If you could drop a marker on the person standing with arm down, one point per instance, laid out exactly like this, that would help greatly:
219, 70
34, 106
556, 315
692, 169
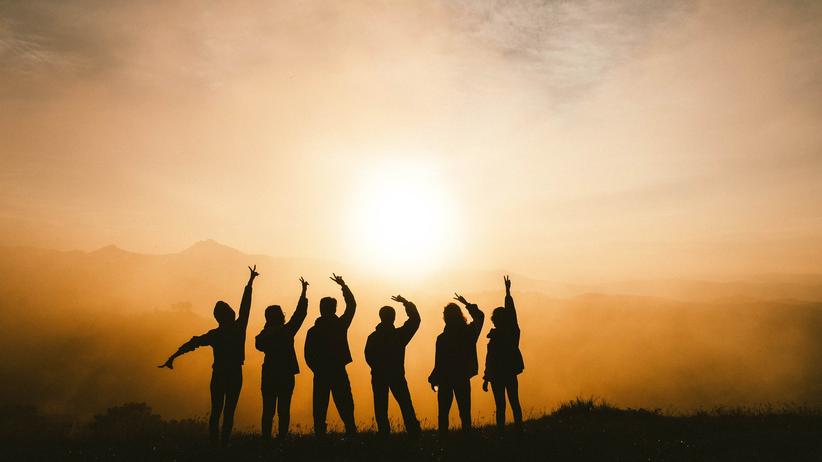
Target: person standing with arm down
385, 353
228, 344
327, 354
280, 366
455, 362
504, 360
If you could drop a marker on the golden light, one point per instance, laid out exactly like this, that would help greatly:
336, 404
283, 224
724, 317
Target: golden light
403, 218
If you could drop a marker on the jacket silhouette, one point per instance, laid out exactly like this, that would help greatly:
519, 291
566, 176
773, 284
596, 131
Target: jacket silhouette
455, 362
503, 361
385, 354
227, 342
276, 340
326, 354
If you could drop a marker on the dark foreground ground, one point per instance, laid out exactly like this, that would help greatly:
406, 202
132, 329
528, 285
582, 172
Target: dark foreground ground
581, 430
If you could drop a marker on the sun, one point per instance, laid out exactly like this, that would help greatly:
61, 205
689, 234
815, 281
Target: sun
402, 220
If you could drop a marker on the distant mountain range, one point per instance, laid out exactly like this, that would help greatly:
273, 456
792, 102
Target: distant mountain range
209, 269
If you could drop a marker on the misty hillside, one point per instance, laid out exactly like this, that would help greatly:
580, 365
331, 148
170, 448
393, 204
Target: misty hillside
85, 330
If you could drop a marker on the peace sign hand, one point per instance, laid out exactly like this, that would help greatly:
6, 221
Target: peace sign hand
254, 273
337, 279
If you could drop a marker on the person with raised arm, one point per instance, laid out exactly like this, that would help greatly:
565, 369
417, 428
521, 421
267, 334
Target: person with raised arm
385, 354
455, 362
280, 366
228, 344
326, 354
504, 360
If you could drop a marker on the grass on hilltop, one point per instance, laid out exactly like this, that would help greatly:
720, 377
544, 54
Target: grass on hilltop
583, 429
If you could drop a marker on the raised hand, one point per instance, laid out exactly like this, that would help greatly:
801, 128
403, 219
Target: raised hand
337, 279
169, 364
399, 298
507, 283
253, 274
304, 283
460, 299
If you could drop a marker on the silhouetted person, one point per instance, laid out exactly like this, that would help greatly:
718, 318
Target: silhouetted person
385, 353
456, 361
327, 354
504, 360
276, 340
228, 343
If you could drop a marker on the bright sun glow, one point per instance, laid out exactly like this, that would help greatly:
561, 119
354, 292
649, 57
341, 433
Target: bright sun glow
403, 218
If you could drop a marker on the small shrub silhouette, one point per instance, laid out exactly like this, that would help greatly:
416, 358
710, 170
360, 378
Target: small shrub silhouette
131, 420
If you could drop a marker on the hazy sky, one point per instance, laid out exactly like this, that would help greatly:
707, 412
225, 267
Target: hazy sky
564, 139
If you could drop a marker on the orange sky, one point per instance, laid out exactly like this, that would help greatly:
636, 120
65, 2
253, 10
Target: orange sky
559, 139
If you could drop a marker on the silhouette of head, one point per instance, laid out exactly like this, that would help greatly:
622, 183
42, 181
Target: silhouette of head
499, 318
274, 315
387, 315
223, 313
452, 314
328, 306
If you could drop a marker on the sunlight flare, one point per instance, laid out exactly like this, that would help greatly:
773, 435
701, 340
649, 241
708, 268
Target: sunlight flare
403, 218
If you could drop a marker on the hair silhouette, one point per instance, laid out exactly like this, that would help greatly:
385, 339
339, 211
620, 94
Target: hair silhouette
385, 354
280, 365
326, 354
452, 314
228, 344
504, 360
455, 362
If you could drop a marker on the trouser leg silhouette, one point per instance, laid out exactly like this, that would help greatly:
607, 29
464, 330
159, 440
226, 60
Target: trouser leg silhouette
277, 392
380, 389
399, 388
462, 391
225, 392
513, 398
336, 384
269, 408
285, 392
498, 388
344, 400
232, 395
322, 388
445, 396
217, 401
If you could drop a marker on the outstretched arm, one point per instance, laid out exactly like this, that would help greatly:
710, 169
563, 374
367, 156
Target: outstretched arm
300, 312
410, 327
245, 305
509, 302
477, 316
191, 345
350, 303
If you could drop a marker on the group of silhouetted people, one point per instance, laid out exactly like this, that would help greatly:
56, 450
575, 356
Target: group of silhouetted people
327, 353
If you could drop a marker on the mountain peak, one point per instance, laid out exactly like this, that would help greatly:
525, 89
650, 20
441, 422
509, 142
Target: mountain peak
210, 247
110, 249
